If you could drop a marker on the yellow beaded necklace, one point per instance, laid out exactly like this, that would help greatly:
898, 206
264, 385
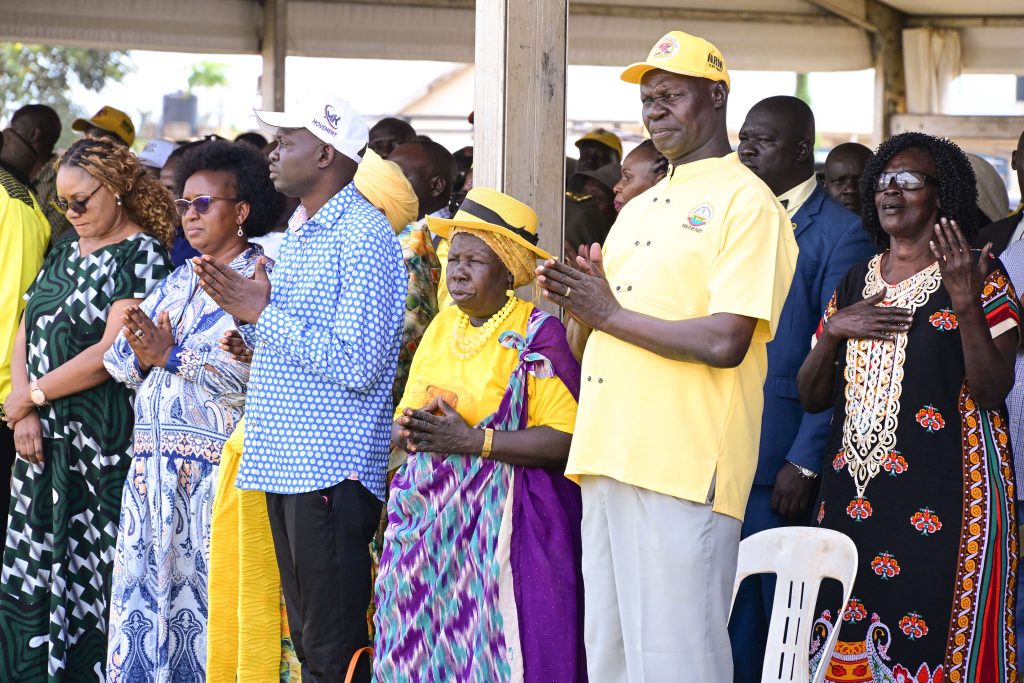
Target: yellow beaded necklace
464, 346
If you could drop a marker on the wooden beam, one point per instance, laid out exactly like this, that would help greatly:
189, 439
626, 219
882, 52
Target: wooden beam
961, 127
852, 12
520, 106
890, 77
1012, 21
274, 48
593, 9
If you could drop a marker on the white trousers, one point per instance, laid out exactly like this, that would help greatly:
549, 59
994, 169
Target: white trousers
658, 573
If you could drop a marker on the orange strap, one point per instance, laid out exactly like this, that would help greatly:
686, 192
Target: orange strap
355, 660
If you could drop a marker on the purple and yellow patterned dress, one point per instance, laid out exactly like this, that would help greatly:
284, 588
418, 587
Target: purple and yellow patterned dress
480, 575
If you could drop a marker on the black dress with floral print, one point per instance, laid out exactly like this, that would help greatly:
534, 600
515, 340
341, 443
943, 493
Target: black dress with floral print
921, 479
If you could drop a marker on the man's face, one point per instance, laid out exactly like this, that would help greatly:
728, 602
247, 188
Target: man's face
594, 155
842, 179
678, 112
603, 197
416, 167
384, 138
294, 163
769, 148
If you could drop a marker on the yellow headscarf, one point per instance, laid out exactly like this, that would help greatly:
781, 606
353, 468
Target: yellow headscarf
386, 187
519, 261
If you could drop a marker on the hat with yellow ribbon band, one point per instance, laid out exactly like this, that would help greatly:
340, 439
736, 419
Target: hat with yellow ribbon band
492, 211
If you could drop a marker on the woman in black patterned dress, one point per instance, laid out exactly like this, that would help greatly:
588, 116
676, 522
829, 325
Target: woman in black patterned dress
72, 423
915, 354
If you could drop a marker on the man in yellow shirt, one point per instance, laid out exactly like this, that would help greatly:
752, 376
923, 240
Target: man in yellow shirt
24, 234
682, 302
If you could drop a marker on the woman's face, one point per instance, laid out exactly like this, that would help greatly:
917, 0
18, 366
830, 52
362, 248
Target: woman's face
909, 213
477, 279
101, 210
637, 177
216, 230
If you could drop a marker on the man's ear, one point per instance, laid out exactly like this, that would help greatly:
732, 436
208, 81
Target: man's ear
804, 150
437, 186
719, 94
326, 156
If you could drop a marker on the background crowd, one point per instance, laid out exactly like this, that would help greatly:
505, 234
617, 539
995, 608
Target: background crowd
268, 402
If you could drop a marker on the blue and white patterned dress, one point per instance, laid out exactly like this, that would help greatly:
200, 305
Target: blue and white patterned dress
183, 415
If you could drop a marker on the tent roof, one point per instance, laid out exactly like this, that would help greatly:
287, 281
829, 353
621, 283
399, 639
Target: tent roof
792, 35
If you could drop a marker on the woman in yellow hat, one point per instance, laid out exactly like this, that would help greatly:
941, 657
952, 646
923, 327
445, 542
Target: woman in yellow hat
480, 574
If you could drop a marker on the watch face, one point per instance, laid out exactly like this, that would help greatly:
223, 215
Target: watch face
38, 397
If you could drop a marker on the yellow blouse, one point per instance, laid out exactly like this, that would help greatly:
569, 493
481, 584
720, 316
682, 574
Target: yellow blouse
478, 384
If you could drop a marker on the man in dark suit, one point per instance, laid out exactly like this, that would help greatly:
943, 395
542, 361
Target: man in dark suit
777, 144
1005, 232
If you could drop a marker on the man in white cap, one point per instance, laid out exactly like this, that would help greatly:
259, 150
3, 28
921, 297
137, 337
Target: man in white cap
683, 300
325, 329
154, 155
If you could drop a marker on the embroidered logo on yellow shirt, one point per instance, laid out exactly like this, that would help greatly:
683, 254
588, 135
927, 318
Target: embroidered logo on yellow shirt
699, 216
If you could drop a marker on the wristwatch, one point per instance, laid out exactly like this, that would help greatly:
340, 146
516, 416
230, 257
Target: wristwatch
36, 394
804, 472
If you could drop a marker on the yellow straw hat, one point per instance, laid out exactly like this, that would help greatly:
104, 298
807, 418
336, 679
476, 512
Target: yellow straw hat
492, 211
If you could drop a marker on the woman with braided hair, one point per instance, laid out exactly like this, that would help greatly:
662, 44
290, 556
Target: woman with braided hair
72, 423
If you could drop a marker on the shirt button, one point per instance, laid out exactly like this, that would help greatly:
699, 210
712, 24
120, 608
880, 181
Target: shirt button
618, 287
600, 380
629, 289
637, 243
655, 199
588, 378
648, 243
668, 201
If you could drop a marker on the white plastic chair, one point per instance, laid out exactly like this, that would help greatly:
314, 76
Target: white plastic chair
800, 557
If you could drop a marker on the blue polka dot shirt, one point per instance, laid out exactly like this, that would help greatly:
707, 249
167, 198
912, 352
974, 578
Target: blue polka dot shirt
325, 350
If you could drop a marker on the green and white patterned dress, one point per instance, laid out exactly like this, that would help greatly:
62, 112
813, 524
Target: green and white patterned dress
55, 586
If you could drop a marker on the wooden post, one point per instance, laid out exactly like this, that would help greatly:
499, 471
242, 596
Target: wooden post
520, 106
890, 77
274, 47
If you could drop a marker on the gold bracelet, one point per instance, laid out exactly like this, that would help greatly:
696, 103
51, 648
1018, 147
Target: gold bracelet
488, 440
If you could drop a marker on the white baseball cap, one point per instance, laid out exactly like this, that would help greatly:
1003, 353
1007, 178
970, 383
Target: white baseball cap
156, 151
326, 116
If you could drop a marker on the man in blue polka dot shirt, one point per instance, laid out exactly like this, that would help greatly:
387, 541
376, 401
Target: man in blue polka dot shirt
325, 329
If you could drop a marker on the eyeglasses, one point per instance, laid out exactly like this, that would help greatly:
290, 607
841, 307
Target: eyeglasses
455, 202
77, 205
201, 203
905, 180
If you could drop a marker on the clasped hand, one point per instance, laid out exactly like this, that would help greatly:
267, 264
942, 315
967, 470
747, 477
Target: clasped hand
151, 343
579, 286
424, 431
242, 297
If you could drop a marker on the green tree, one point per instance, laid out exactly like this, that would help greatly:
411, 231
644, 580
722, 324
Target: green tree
207, 75
45, 74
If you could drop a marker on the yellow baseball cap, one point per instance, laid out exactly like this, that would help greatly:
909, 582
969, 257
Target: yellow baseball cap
604, 137
112, 120
682, 54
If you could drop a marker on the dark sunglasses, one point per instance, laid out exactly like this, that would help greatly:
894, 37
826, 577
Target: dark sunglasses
77, 205
201, 204
905, 180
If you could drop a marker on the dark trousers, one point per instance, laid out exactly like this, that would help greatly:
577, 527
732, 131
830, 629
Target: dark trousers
7, 456
322, 541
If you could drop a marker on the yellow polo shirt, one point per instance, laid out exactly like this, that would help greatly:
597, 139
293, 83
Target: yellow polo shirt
24, 235
709, 238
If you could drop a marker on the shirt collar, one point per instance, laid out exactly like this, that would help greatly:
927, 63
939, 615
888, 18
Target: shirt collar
796, 196
334, 207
